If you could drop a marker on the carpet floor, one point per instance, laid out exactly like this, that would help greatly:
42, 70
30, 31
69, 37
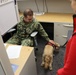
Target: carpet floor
57, 61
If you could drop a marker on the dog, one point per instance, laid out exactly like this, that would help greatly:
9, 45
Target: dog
47, 57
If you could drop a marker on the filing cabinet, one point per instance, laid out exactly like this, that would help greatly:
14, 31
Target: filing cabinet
61, 31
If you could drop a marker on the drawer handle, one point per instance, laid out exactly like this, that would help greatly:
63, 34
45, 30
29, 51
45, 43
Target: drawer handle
65, 25
64, 36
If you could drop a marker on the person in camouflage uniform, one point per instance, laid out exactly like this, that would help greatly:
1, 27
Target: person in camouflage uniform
25, 27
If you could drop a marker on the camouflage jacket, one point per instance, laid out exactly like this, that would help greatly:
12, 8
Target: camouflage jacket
24, 30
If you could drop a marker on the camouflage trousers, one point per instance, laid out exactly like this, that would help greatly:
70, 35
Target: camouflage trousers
24, 42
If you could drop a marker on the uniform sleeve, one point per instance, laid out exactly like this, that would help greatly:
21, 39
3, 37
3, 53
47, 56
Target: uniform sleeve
70, 64
20, 27
42, 32
20, 30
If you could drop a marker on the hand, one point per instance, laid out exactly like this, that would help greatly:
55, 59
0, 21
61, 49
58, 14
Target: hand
51, 41
54, 43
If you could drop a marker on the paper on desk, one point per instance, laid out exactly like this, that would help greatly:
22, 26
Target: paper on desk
13, 51
14, 67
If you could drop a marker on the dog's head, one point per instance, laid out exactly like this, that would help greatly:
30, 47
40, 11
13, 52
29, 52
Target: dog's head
57, 47
47, 60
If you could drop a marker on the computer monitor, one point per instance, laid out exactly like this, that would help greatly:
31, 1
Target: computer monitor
5, 66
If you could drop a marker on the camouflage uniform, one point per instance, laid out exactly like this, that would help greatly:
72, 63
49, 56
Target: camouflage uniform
22, 36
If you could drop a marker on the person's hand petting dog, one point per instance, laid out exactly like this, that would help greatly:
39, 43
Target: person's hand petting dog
55, 44
51, 41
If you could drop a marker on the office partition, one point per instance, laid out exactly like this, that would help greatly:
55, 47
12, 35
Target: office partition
8, 16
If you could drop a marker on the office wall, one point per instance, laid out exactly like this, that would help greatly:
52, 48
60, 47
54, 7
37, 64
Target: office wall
59, 6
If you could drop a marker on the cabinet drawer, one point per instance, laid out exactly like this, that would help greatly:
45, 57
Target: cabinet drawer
60, 32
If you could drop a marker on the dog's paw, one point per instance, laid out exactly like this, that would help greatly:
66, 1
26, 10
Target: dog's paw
50, 68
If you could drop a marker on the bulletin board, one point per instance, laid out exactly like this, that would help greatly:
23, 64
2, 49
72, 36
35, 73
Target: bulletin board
8, 16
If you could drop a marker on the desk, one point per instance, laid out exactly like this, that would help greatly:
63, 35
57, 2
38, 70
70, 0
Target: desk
54, 17
26, 61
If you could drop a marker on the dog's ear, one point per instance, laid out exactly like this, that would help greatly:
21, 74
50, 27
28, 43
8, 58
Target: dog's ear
57, 46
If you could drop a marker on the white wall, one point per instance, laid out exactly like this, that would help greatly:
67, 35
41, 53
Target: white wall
60, 6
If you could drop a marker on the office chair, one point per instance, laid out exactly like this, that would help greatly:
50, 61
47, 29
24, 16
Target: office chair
11, 31
34, 37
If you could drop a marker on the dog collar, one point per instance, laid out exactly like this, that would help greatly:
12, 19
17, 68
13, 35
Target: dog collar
49, 43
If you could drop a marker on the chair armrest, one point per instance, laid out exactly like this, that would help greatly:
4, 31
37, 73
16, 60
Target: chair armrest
11, 30
34, 34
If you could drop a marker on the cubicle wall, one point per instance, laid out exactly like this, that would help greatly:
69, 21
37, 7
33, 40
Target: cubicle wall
5, 66
8, 16
58, 6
